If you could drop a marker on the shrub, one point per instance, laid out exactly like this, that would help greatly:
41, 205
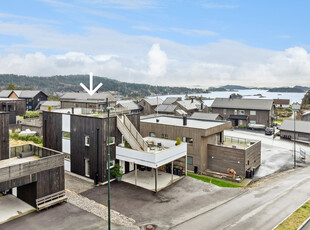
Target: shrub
242, 126
116, 171
34, 139
31, 114
178, 141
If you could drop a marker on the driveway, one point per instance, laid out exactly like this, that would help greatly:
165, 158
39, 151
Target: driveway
64, 216
181, 201
277, 154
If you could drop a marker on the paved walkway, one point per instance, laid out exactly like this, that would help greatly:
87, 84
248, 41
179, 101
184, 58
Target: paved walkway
146, 180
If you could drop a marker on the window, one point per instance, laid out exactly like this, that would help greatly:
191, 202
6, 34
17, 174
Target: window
241, 112
87, 141
87, 167
189, 160
235, 112
111, 141
66, 135
253, 112
188, 140
164, 136
152, 134
252, 122
112, 163
225, 111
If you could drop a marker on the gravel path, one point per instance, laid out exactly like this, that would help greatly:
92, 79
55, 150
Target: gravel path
99, 210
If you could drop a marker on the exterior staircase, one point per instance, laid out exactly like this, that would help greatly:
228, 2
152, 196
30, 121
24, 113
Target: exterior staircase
131, 134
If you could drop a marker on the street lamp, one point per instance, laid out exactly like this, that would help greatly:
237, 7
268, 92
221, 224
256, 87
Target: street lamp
295, 108
109, 171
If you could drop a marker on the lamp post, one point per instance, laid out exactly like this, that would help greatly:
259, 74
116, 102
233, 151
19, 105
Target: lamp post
295, 108
109, 171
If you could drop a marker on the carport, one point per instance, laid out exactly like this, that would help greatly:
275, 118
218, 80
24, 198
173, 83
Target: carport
12, 207
154, 161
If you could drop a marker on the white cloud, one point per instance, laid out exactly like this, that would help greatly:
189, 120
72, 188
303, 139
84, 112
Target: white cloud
144, 59
157, 62
194, 32
123, 4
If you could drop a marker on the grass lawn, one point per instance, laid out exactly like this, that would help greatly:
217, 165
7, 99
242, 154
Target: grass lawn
278, 122
297, 218
215, 181
14, 142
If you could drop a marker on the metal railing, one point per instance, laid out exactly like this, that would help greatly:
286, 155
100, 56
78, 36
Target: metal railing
239, 140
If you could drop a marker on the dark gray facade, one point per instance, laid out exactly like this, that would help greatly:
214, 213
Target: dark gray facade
95, 129
4, 135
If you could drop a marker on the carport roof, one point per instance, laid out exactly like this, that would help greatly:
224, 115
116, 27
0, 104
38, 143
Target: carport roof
301, 126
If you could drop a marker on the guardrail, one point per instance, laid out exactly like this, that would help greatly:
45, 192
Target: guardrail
239, 140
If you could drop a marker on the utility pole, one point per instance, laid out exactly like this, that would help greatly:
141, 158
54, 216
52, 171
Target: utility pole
109, 162
295, 108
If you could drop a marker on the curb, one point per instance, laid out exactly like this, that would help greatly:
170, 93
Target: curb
300, 227
303, 224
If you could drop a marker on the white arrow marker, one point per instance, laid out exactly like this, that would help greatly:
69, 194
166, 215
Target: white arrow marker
91, 91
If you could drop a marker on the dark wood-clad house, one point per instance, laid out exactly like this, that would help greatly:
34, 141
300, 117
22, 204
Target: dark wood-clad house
4, 135
245, 111
84, 138
15, 107
35, 172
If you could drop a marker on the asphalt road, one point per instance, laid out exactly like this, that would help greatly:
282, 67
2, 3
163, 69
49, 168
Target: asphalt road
263, 206
277, 154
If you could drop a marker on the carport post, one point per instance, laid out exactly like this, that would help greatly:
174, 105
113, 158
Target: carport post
186, 165
171, 172
156, 176
136, 174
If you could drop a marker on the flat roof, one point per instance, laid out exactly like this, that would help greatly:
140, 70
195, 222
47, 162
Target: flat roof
178, 121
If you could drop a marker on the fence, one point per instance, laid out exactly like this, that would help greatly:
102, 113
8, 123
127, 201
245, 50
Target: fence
239, 140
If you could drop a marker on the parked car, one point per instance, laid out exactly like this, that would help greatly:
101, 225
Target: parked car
269, 131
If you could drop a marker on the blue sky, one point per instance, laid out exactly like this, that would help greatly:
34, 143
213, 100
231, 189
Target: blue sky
186, 43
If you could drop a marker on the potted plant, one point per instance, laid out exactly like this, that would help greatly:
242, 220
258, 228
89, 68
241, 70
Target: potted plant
178, 142
117, 173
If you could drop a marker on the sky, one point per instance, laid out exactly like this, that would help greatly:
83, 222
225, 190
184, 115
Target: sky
193, 43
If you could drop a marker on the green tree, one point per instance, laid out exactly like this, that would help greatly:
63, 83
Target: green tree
11, 86
306, 100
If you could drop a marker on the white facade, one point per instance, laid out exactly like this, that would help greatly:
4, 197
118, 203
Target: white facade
156, 157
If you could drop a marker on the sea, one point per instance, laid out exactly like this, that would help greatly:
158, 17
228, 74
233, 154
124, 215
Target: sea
246, 93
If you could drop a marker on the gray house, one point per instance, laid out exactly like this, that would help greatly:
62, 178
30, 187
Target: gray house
245, 111
306, 116
302, 129
207, 116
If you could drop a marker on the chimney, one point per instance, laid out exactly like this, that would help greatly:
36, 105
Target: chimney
184, 120
72, 110
192, 100
157, 120
201, 106
107, 102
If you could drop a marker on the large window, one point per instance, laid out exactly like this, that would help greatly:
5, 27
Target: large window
164, 136
112, 164
189, 160
111, 141
66, 135
235, 112
253, 112
252, 122
189, 140
225, 111
152, 134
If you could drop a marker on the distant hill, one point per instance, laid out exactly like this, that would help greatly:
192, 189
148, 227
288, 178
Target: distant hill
69, 83
287, 90
231, 87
